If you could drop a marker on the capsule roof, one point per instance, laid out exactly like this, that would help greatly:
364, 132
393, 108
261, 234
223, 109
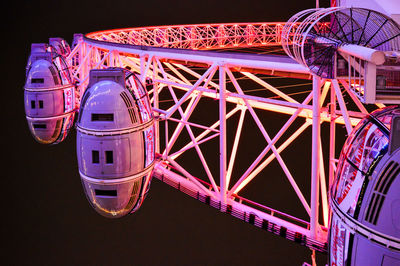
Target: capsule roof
109, 104
42, 73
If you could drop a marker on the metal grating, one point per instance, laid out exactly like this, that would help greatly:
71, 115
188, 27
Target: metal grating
129, 106
55, 76
385, 180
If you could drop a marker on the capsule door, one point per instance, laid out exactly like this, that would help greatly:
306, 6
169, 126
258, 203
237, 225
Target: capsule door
43, 104
110, 156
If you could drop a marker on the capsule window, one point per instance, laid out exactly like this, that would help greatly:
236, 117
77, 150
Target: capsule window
55, 76
109, 157
102, 117
37, 80
95, 157
40, 104
33, 105
42, 126
85, 97
105, 193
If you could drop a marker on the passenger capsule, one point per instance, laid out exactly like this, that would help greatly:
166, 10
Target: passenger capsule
365, 196
49, 95
115, 142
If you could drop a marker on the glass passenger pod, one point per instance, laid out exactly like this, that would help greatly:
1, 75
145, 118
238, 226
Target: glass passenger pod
49, 98
364, 147
106, 112
114, 154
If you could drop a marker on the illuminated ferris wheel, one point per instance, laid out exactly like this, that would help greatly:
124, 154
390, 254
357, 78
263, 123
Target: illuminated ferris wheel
178, 102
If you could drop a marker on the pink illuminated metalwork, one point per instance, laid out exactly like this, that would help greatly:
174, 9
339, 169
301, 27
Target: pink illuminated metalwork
199, 36
185, 81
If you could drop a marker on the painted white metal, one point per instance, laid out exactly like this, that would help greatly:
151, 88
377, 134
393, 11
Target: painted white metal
315, 158
222, 134
363, 53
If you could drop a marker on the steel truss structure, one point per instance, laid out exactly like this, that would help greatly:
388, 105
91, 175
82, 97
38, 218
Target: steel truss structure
201, 36
233, 88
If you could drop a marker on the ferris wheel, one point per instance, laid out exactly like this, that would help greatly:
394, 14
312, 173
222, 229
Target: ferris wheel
146, 101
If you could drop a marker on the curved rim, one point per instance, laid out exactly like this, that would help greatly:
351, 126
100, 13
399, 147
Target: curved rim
55, 88
196, 36
116, 181
50, 117
363, 230
114, 132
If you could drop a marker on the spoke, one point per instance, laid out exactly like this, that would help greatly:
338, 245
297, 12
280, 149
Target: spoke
387, 40
235, 147
307, 55
363, 28
352, 26
342, 105
340, 26
372, 37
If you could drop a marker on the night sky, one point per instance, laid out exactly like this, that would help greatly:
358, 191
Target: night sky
48, 220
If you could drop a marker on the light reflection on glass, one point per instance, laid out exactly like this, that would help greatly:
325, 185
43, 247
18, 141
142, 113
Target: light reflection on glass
339, 242
363, 147
140, 95
149, 145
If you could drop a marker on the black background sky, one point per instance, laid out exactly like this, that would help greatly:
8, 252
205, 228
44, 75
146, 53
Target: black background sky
47, 219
